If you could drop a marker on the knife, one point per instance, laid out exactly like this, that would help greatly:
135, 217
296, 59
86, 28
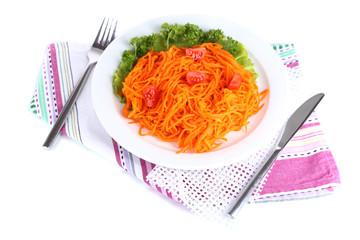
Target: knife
296, 120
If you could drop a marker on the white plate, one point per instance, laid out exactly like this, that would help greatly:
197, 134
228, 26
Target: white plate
263, 125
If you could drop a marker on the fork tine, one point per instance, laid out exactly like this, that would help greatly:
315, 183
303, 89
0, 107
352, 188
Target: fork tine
104, 33
107, 41
111, 29
98, 34
113, 35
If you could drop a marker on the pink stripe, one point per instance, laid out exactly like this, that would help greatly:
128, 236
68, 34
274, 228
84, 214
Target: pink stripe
306, 125
159, 189
149, 166
302, 173
309, 135
55, 71
144, 170
171, 196
166, 193
117, 153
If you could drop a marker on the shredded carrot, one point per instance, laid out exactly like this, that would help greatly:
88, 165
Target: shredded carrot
197, 117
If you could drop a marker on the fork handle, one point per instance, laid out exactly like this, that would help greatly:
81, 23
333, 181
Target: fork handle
68, 106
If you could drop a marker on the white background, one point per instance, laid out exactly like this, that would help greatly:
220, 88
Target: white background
70, 192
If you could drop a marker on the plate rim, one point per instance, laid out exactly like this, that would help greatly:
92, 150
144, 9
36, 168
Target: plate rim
186, 161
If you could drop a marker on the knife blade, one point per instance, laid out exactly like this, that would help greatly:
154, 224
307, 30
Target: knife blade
292, 125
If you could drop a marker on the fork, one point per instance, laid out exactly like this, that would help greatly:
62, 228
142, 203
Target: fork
94, 53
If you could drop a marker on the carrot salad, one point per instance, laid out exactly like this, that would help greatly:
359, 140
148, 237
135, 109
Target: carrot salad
192, 96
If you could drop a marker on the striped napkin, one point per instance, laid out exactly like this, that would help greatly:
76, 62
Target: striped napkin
305, 168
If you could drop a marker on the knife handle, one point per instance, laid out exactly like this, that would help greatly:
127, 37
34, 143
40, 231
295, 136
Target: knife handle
246, 192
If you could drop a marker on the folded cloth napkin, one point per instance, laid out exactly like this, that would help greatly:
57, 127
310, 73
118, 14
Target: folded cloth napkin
305, 168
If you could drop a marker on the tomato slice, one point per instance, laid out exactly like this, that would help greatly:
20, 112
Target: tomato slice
195, 77
151, 96
235, 82
196, 53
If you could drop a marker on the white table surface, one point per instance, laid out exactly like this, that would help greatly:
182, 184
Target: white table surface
70, 192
